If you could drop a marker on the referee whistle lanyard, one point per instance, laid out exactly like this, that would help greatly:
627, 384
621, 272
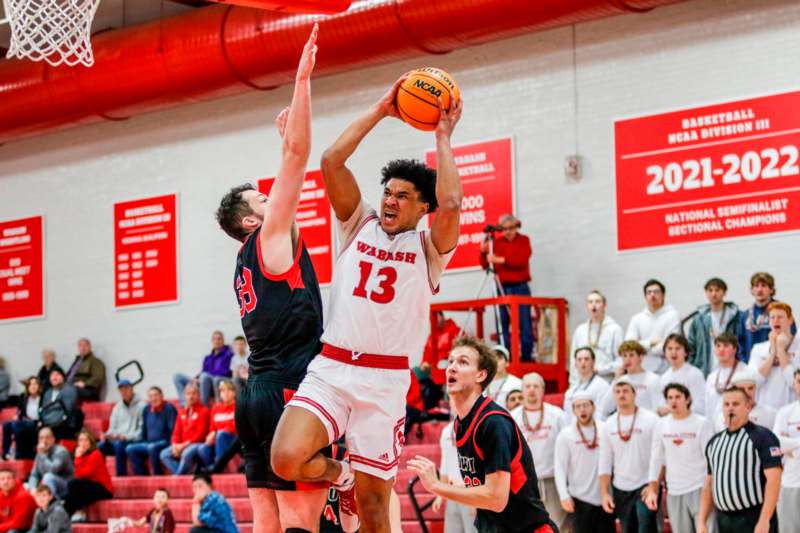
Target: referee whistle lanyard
623, 436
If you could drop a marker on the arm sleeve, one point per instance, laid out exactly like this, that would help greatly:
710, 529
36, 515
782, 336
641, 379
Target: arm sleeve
606, 460
754, 363
562, 465
144, 423
138, 425
499, 443
633, 331
767, 446
694, 340
656, 453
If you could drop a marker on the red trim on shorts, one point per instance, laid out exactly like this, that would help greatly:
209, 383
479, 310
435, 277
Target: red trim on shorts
374, 463
292, 274
322, 411
463, 440
369, 360
357, 231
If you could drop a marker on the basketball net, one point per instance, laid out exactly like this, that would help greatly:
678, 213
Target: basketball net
56, 31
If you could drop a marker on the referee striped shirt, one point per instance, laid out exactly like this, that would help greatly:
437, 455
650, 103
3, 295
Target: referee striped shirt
736, 462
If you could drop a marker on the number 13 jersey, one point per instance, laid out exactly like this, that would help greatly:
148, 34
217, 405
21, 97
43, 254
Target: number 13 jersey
382, 287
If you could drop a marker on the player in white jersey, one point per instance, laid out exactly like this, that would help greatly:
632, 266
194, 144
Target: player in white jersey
384, 277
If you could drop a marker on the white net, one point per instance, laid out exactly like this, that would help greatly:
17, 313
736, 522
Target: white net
56, 31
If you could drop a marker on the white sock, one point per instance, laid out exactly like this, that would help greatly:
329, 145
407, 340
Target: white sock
344, 474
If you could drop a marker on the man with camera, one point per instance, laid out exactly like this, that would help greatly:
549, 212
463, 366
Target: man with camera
509, 256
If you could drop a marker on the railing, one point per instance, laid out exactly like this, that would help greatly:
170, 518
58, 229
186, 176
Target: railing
551, 351
419, 509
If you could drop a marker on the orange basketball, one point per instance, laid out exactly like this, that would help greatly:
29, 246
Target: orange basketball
417, 97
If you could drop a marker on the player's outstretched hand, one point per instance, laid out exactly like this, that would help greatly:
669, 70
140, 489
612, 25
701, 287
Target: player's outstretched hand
426, 470
281, 119
388, 102
448, 119
309, 56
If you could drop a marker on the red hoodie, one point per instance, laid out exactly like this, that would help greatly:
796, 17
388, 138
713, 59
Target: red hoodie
222, 418
16, 509
191, 425
92, 466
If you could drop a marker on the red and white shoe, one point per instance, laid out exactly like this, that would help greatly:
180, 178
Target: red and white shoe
348, 509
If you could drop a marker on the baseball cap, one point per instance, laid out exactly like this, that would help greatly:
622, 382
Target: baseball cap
124, 383
502, 350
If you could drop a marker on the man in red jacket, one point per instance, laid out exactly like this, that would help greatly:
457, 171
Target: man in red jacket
511, 261
16, 504
191, 429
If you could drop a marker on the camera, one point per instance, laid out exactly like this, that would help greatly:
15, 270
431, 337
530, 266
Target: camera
491, 229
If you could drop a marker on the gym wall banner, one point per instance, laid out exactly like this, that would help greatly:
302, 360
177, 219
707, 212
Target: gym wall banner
22, 268
146, 251
487, 178
711, 172
314, 220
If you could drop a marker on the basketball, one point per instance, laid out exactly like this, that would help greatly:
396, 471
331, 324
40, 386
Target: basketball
417, 97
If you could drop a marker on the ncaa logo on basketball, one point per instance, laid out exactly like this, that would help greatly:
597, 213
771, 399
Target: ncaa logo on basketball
425, 86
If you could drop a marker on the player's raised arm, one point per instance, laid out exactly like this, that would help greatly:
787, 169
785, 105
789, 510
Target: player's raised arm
340, 183
294, 124
444, 231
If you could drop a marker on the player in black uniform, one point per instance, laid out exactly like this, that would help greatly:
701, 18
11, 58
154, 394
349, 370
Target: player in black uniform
495, 461
281, 311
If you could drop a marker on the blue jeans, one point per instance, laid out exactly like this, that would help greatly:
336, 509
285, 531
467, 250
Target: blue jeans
208, 454
139, 452
24, 434
187, 459
525, 326
209, 386
117, 448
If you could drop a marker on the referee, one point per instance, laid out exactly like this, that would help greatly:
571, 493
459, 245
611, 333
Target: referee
744, 472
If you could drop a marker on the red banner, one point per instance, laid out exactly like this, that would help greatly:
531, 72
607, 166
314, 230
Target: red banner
487, 177
710, 172
314, 220
146, 251
22, 268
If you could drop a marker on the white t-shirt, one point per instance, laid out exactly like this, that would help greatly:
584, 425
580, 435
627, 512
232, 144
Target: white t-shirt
542, 442
499, 388
775, 390
715, 386
627, 462
576, 465
681, 446
237, 361
606, 347
648, 392
646, 326
787, 428
692, 378
763, 415
596, 386
448, 466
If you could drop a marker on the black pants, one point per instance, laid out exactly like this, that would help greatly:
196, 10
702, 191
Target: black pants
589, 518
24, 434
82, 492
633, 514
88, 394
202, 529
741, 521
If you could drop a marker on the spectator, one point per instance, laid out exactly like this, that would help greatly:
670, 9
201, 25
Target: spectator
87, 373
712, 319
216, 367
23, 429
5, 383
124, 428
744, 472
588, 381
431, 371
503, 382
511, 262
679, 444
415, 407
50, 517
540, 423
726, 346
16, 504
602, 334
458, 518
158, 424
576, 463
240, 367
754, 323
788, 432
221, 443
760, 414
191, 430
160, 518
48, 365
60, 407
652, 325
646, 383
513, 400
625, 444
52, 466
776, 359
92, 482
211, 513
676, 349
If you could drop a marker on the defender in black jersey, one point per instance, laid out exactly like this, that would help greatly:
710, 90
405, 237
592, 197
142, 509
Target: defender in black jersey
495, 462
281, 311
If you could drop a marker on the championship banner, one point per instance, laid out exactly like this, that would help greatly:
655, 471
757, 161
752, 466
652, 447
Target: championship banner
711, 172
314, 221
22, 268
487, 178
146, 251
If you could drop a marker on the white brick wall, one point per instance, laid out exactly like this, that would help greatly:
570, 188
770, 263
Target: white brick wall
681, 56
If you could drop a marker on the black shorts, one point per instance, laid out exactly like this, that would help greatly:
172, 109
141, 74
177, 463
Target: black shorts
258, 409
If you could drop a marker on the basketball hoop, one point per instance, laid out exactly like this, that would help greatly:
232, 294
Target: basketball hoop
56, 31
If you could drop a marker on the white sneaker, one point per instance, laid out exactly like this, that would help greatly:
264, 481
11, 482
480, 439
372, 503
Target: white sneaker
78, 517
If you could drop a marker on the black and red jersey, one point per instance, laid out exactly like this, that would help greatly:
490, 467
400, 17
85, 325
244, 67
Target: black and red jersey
281, 314
489, 441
